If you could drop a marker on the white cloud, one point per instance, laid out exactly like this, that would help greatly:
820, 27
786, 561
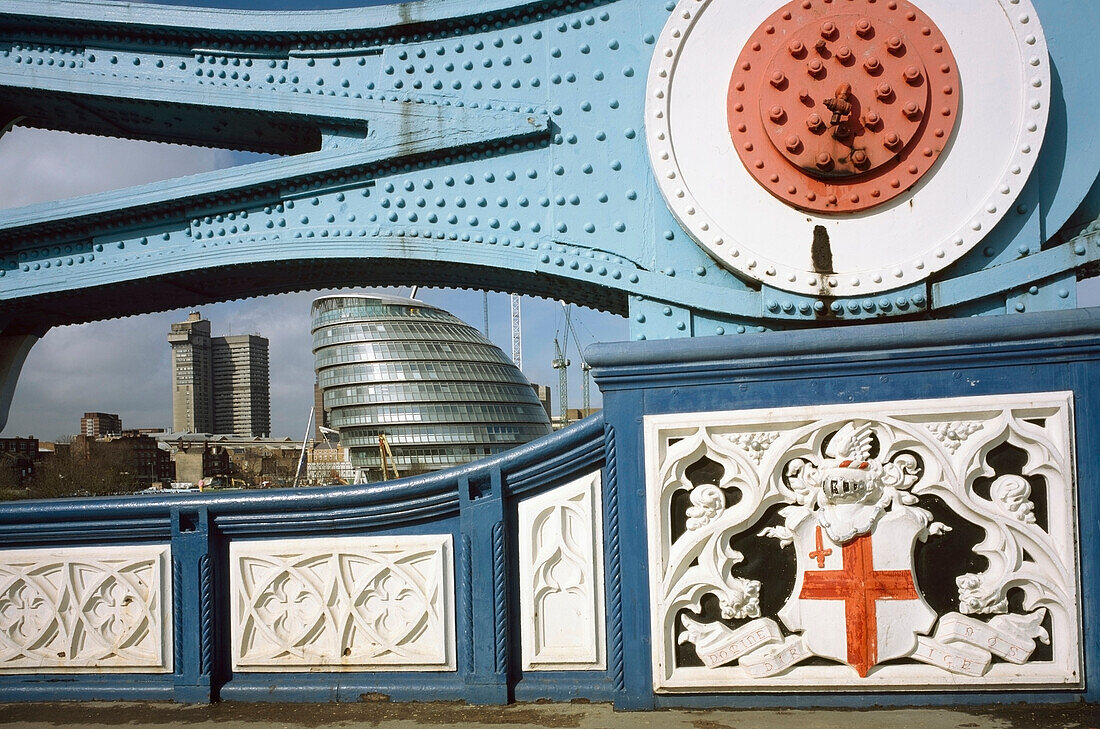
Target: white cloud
41, 166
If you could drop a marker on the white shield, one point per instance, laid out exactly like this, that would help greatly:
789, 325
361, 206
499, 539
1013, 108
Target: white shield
858, 603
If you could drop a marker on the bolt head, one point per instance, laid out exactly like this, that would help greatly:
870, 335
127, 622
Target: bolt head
859, 158
894, 45
815, 68
814, 123
871, 118
827, 29
793, 143
776, 113
778, 79
864, 27
844, 53
871, 65
911, 109
824, 160
891, 139
796, 47
884, 90
912, 74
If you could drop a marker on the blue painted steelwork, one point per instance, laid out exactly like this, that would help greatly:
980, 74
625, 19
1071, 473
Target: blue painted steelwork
484, 145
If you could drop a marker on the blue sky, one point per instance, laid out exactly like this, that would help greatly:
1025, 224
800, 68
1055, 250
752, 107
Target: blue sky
121, 366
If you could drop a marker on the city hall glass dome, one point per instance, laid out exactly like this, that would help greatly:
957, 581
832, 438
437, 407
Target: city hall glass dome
437, 389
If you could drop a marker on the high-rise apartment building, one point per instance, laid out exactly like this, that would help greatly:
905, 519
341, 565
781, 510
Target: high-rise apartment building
219, 384
192, 378
242, 403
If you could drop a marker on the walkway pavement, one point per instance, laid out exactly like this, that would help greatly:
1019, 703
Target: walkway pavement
94, 715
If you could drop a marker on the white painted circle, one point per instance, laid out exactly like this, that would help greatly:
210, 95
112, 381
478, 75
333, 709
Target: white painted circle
1005, 78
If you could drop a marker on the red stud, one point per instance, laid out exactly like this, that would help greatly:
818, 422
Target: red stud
793, 143
776, 113
844, 54
884, 91
824, 160
891, 139
871, 119
815, 68
796, 48
814, 123
778, 79
827, 29
912, 74
864, 27
911, 109
894, 45
872, 65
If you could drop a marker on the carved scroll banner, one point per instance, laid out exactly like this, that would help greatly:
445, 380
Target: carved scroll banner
893, 545
103, 609
352, 603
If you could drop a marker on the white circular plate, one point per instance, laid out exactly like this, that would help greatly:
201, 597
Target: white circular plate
1005, 78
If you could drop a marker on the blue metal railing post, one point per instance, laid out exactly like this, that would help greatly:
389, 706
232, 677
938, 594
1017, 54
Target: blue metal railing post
485, 636
193, 617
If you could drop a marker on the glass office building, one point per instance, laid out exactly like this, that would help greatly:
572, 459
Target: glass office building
438, 391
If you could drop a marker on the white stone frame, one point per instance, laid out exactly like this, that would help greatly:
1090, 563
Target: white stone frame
86, 610
379, 603
563, 526
755, 443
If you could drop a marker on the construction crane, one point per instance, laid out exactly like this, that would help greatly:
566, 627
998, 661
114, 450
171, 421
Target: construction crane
585, 367
517, 334
560, 363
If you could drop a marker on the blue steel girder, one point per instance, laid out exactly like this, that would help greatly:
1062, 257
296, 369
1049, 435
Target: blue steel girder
479, 144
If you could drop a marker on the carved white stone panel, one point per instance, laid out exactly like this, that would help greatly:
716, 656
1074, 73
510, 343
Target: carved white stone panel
892, 545
351, 604
561, 593
95, 610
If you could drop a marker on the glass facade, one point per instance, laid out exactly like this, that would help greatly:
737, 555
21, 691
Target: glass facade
439, 391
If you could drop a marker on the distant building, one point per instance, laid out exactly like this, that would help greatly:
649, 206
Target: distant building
96, 425
192, 377
21, 454
242, 404
219, 384
542, 392
437, 389
139, 456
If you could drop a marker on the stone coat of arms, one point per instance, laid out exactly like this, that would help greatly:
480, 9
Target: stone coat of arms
902, 548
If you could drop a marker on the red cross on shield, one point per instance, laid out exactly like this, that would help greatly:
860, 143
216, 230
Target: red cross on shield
858, 602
